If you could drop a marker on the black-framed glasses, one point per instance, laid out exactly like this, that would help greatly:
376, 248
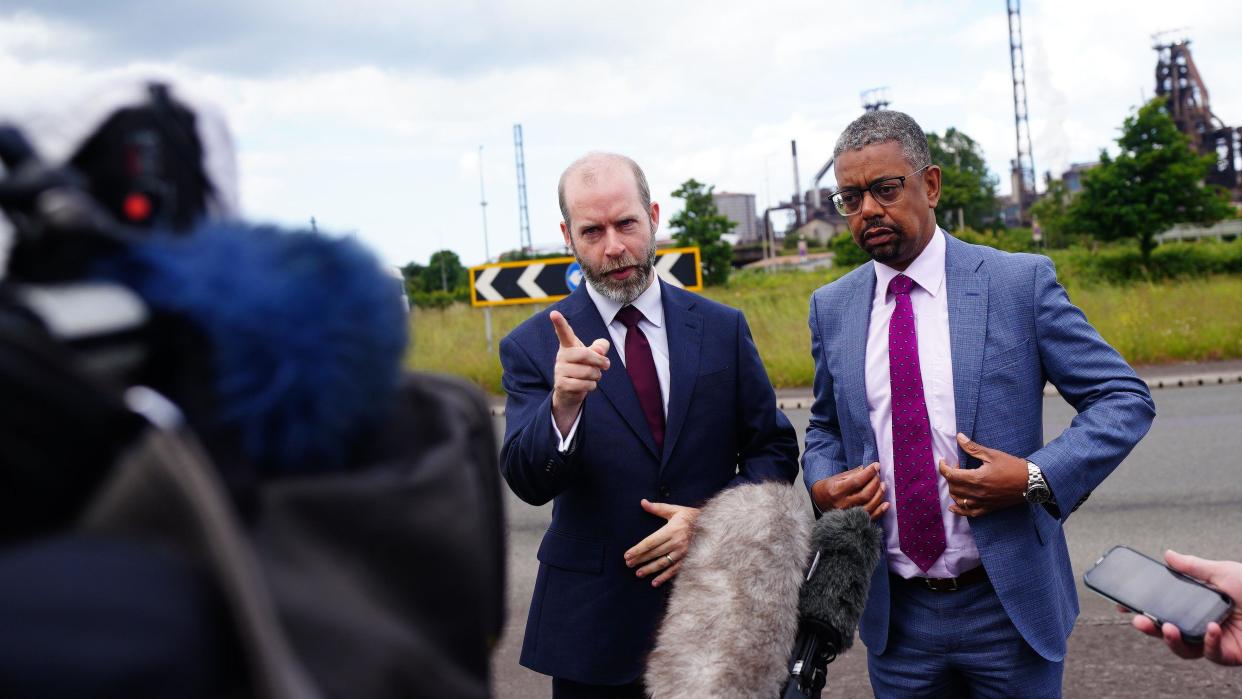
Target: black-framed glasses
886, 192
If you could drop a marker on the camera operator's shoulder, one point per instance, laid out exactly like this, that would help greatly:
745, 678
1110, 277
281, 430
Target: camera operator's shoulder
444, 397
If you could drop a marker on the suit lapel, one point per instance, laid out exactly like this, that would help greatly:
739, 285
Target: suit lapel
967, 286
684, 328
615, 383
855, 326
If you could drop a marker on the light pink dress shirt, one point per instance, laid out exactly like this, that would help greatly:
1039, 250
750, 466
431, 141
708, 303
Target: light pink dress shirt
931, 313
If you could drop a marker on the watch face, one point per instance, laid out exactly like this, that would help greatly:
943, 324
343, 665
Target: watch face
1037, 495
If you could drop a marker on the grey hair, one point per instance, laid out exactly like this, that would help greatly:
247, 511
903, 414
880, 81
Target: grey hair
588, 166
882, 126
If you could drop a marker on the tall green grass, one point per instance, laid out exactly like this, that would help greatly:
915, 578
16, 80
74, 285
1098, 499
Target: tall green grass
1155, 323
1148, 322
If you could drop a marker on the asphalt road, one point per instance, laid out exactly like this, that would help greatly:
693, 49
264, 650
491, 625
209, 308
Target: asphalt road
1181, 489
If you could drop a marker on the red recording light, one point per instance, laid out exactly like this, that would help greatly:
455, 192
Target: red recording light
136, 207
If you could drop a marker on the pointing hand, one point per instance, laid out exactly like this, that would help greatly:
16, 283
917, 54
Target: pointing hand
577, 372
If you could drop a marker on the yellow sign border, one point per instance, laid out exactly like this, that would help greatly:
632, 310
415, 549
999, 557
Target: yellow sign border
476, 303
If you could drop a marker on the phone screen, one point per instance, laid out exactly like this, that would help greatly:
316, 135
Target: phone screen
1147, 586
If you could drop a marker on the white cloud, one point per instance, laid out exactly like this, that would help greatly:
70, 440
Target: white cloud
369, 115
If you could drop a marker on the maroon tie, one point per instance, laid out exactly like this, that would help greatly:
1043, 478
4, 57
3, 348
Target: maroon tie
641, 367
920, 526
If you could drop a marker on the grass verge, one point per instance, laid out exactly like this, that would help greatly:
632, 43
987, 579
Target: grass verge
1149, 323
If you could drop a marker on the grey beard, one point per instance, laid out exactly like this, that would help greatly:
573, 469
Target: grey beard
623, 292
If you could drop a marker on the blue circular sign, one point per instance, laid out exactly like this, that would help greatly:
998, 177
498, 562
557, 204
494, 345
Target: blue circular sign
573, 276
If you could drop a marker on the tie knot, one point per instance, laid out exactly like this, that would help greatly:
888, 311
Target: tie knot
629, 316
900, 284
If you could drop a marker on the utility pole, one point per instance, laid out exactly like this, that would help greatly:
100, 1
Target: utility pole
487, 255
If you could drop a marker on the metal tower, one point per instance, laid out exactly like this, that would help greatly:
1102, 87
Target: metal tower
1024, 164
523, 214
799, 205
1179, 82
874, 99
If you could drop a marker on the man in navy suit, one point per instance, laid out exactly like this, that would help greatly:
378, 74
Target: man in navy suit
930, 365
667, 405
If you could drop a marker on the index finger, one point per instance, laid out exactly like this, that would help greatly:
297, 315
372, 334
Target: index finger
864, 473
564, 333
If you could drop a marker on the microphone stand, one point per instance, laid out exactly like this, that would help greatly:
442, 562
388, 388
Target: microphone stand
816, 646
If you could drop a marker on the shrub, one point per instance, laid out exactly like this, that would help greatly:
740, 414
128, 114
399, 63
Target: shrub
1123, 264
845, 252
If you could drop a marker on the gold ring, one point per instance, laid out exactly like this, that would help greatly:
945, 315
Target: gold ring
670, 559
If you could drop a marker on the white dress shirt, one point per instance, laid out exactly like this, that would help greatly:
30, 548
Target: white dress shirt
929, 299
650, 304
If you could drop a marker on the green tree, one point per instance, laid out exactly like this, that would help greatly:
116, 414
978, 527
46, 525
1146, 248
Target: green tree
965, 182
1155, 181
701, 224
1052, 212
413, 275
444, 272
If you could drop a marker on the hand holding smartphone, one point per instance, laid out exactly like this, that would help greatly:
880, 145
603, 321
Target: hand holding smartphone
1152, 589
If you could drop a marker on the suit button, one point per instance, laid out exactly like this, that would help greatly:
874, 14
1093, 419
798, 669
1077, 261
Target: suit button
550, 466
664, 492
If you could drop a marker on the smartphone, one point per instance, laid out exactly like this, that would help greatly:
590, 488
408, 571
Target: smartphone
1152, 589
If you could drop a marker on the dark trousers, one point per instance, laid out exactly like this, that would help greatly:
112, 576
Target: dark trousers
566, 689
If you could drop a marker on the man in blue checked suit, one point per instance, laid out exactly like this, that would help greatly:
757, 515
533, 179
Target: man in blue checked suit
930, 364
667, 405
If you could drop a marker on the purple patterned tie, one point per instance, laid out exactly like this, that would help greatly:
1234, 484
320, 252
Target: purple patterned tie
920, 526
642, 370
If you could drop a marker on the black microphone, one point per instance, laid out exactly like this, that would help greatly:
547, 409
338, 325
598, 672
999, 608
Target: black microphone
846, 548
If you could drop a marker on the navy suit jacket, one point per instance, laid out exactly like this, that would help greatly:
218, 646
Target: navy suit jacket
591, 619
1012, 328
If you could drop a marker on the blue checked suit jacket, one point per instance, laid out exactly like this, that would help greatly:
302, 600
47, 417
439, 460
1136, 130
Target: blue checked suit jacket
591, 620
1012, 328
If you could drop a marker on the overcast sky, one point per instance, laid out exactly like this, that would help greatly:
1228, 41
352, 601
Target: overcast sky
368, 115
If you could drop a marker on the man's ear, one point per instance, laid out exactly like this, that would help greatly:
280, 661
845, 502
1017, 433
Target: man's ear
655, 217
931, 181
565, 232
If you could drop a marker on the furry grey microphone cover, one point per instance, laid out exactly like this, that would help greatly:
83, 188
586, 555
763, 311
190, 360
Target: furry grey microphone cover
849, 546
733, 612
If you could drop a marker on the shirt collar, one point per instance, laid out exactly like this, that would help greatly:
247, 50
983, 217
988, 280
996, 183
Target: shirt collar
927, 270
649, 303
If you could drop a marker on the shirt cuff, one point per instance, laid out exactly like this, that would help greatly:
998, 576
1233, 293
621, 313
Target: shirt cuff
566, 439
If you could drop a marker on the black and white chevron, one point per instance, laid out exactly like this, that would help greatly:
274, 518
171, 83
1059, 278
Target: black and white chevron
542, 281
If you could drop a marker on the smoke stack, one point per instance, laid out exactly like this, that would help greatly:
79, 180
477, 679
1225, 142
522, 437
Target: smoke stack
800, 208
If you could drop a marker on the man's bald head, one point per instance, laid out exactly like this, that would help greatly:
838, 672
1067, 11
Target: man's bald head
587, 168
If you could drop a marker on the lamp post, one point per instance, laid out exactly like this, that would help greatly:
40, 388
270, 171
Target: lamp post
487, 255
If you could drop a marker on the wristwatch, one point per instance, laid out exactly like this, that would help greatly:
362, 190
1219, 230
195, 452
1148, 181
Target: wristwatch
1037, 490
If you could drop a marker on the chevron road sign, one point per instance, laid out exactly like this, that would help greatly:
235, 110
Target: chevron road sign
548, 280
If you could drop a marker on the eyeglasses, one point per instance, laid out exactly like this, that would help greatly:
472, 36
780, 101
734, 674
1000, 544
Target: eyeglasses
886, 192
